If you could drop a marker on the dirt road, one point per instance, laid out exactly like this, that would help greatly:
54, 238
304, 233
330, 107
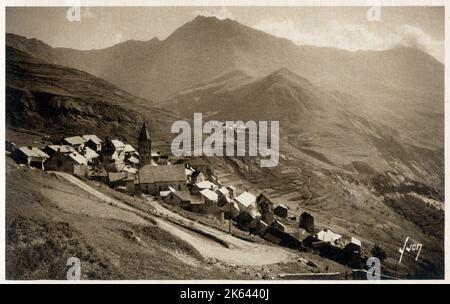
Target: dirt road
238, 251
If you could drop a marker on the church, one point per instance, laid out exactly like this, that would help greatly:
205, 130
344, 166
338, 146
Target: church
151, 178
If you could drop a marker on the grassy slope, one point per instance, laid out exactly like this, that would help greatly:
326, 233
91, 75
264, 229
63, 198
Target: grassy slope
45, 228
54, 220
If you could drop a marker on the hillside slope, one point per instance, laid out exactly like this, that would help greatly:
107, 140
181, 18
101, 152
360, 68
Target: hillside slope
59, 100
330, 126
401, 88
206, 47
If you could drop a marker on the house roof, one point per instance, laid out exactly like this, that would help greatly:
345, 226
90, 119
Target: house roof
281, 206
77, 157
303, 234
211, 195
89, 153
246, 199
196, 173
75, 140
278, 223
205, 185
328, 235
133, 160
93, 137
306, 214
116, 176
33, 152
182, 195
223, 190
129, 148
60, 148
231, 187
263, 197
264, 224
355, 241
197, 162
117, 143
227, 199
151, 174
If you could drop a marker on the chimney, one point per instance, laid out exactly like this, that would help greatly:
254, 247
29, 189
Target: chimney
30, 147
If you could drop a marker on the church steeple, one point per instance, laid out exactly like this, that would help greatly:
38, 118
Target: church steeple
143, 135
144, 146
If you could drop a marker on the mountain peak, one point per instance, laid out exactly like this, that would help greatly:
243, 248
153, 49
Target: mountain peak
283, 72
209, 24
286, 74
202, 18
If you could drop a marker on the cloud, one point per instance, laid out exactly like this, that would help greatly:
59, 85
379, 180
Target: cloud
119, 37
221, 14
355, 37
411, 36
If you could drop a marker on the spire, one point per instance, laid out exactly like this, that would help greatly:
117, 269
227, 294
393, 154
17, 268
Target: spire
144, 135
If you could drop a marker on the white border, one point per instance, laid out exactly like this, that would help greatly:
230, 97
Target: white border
205, 3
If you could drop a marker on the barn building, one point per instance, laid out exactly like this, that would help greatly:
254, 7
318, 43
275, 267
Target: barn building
154, 179
306, 222
30, 156
73, 163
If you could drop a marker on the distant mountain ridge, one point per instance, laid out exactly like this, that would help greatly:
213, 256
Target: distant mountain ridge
331, 126
58, 100
206, 46
385, 105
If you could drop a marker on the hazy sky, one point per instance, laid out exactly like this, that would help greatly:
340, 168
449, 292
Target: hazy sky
341, 27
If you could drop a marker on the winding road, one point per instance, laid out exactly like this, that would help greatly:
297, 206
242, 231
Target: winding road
236, 251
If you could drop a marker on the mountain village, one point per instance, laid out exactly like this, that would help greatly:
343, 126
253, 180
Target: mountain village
188, 183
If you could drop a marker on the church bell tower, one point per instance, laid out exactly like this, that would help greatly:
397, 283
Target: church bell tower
144, 147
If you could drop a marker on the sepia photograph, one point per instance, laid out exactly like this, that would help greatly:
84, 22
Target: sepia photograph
242, 143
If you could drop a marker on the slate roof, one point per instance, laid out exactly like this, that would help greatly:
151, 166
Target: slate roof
328, 235
223, 191
151, 174
355, 241
117, 143
62, 148
282, 206
129, 148
211, 195
116, 176
78, 158
75, 140
133, 160
92, 137
33, 152
246, 199
205, 185
183, 195
89, 153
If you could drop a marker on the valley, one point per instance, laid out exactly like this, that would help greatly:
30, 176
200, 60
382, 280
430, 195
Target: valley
361, 148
